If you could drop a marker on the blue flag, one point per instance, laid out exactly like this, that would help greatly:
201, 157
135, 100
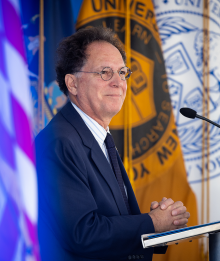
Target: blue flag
58, 24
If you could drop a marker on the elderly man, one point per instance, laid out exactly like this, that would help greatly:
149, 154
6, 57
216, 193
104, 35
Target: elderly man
87, 208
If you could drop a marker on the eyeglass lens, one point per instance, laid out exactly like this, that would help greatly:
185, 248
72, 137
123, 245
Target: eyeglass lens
107, 73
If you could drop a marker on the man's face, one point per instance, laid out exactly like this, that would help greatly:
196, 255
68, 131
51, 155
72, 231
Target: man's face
100, 99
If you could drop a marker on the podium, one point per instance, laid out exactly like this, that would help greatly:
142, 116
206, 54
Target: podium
212, 230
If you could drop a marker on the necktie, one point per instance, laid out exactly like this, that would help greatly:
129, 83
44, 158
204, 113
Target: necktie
110, 145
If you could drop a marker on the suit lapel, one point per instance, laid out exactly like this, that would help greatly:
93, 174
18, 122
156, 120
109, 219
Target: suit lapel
97, 154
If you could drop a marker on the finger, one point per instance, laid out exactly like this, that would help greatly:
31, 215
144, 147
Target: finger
173, 227
185, 215
163, 199
154, 205
182, 216
178, 227
177, 204
178, 211
166, 203
181, 221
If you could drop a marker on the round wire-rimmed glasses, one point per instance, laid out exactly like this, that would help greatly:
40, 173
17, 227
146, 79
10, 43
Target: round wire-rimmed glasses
107, 73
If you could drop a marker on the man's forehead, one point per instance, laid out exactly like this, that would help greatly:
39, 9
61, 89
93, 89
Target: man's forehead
101, 50
98, 46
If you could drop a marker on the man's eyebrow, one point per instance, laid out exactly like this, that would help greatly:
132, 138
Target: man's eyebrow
101, 67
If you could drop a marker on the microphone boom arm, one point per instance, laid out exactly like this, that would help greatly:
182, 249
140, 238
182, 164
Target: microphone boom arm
205, 119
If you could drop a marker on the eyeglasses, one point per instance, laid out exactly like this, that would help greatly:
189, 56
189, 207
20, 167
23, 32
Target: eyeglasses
107, 73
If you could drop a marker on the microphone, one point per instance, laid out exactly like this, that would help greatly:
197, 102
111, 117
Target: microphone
190, 113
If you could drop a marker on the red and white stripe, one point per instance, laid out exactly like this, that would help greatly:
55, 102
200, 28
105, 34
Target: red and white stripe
18, 182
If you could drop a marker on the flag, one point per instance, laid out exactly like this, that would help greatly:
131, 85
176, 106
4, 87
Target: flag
18, 184
144, 130
30, 27
56, 22
190, 35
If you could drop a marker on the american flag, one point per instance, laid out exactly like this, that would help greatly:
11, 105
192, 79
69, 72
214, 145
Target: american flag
18, 181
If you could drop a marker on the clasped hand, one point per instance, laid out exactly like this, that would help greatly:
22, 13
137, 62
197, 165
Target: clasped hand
168, 215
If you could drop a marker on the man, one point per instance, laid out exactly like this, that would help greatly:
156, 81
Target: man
87, 208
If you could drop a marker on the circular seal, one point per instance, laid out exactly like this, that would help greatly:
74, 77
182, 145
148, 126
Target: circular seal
186, 48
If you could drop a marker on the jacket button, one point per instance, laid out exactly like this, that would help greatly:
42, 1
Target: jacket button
129, 257
133, 257
142, 256
137, 257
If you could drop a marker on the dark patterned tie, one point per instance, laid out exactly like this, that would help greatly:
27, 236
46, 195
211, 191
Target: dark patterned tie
110, 145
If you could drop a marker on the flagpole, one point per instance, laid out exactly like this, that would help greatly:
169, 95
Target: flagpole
206, 80
205, 133
128, 104
40, 123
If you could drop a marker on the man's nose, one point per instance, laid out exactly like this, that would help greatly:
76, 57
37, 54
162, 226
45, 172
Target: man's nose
116, 76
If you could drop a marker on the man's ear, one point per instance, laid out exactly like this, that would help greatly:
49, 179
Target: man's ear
71, 83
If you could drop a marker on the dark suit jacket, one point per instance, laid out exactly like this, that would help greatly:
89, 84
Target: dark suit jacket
82, 215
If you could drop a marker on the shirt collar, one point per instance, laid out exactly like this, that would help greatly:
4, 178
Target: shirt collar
97, 130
